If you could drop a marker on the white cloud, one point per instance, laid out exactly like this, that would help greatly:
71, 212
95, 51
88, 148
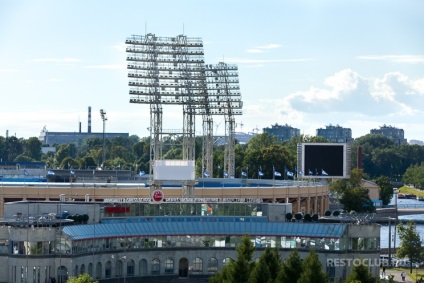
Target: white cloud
263, 48
255, 51
108, 67
121, 47
54, 80
353, 101
9, 70
242, 60
410, 59
57, 60
269, 46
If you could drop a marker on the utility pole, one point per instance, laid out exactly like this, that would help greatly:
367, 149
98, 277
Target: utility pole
104, 119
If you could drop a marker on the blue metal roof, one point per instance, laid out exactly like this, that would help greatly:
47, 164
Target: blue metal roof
289, 229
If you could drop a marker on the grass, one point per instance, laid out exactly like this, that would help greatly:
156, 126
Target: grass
408, 190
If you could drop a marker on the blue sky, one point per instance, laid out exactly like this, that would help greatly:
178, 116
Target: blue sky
358, 64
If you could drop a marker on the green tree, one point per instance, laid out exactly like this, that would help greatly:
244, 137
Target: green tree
68, 163
14, 148
312, 271
261, 273
244, 264
275, 156
369, 143
414, 175
237, 270
266, 270
261, 141
357, 199
83, 278
386, 189
353, 196
361, 273
23, 158
32, 148
291, 268
410, 243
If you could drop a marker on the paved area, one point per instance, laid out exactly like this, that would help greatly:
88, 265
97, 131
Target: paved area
397, 277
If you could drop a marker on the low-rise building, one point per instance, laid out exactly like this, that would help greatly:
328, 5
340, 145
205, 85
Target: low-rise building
165, 241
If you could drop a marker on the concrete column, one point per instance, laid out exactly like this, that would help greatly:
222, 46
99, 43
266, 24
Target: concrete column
308, 205
299, 200
2, 207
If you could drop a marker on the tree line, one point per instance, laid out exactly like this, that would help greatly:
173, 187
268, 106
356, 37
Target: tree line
270, 267
380, 155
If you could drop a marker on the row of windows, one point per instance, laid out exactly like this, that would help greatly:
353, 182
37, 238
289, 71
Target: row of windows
115, 268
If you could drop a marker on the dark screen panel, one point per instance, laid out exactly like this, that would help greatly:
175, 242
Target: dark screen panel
318, 157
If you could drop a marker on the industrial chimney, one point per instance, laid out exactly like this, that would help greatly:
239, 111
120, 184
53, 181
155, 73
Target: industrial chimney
359, 157
89, 119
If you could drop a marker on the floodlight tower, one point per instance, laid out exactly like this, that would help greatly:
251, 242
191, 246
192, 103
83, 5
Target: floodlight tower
167, 71
104, 119
225, 99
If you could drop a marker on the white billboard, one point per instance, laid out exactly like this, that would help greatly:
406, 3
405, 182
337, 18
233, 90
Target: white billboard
179, 170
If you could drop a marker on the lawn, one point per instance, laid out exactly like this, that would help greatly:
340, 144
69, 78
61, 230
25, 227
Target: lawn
408, 190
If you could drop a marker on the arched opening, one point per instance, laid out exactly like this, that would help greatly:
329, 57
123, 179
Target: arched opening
143, 267
183, 267
62, 274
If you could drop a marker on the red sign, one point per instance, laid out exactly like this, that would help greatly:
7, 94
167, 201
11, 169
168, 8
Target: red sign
157, 196
117, 209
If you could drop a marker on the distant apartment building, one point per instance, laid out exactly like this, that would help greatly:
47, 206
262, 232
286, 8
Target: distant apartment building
282, 132
397, 135
335, 134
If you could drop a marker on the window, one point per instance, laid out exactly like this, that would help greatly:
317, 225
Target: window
98, 270
82, 269
212, 265
76, 270
155, 267
169, 266
198, 265
108, 269
143, 267
118, 268
90, 269
130, 267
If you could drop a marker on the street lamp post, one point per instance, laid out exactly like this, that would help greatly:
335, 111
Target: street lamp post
395, 192
104, 119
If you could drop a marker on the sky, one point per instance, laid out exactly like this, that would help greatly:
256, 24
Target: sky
358, 64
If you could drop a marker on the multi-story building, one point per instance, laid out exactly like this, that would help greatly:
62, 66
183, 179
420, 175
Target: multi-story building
282, 132
131, 241
396, 134
335, 134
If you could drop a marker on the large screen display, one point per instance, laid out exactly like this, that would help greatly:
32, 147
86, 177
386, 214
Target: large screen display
323, 160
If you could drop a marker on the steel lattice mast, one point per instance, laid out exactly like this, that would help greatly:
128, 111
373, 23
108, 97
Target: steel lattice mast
225, 99
171, 71
166, 71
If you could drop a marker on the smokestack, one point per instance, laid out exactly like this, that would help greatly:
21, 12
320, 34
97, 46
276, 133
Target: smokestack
89, 119
80, 127
359, 157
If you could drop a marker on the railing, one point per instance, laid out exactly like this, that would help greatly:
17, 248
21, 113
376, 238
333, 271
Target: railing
410, 205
